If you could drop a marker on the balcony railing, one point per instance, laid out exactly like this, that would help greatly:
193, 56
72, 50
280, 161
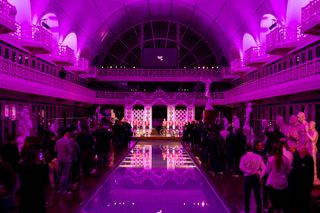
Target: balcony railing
63, 55
34, 38
12, 69
81, 65
8, 14
281, 40
310, 17
153, 95
160, 72
256, 56
301, 71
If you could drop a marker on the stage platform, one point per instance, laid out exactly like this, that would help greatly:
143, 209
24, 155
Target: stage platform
155, 138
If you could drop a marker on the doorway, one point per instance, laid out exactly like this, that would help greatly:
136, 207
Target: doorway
159, 112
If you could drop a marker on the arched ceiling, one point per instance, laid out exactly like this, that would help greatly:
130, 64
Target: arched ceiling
97, 23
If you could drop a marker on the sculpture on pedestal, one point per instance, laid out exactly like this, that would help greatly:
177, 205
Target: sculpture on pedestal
302, 129
235, 123
55, 127
293, 134
313, 136
246, 127
24, 127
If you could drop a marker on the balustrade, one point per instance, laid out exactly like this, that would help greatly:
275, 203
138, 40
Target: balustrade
15, 70
238, 67
63, 55
299, 72
34, 38
159, 72
256, 56
81, 65
8, 14
310, 18
281, 40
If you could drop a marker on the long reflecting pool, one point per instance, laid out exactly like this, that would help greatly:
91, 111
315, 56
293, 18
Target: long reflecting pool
157, 177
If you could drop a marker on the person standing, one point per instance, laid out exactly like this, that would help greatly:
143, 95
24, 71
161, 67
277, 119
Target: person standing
306, 176
278, 169
253, 168
64, 151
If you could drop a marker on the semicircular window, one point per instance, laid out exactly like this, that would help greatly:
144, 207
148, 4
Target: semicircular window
160, 44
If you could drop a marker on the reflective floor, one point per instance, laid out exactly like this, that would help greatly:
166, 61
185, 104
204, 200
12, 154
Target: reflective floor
155, 177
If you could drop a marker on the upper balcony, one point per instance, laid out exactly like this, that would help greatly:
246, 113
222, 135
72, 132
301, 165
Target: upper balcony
238, 67
310, 18
256, 56
81, 66
281, 40
17, 77
34, 38
63, 55
301, 78
8, 14
159, 75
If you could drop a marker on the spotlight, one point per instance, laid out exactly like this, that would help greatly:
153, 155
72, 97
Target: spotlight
44, 24
273, 25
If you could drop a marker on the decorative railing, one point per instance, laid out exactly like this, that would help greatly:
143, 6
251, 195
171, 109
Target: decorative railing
158, 94
63, 53
35, 33
298, 72
12, 69
125, 72
8, 12
237, 64
80, 65
280, 36
255, 52
310, 12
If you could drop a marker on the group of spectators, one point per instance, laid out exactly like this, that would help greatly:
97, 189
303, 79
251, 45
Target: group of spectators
57, 161
280, 176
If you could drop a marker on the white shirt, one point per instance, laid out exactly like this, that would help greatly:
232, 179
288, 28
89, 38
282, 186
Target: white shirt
288, 154
252, 164
278, 178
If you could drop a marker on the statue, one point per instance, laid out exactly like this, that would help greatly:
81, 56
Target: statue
208, 96
235, 123
302, 131
280, 124
24, 127
293, 134
55, 127
313, 136
246, 128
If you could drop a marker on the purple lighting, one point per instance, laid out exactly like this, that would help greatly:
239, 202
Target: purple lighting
175, 187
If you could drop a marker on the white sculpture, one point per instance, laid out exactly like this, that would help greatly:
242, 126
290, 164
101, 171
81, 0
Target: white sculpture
280, 124
208, 96
235, 123
55, 127
302, 131
24, 127
246, 128
313, 136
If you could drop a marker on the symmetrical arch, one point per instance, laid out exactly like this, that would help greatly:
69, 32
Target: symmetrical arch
193, 50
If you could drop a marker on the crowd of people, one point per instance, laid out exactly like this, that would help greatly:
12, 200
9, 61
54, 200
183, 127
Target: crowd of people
57, 161
280, 169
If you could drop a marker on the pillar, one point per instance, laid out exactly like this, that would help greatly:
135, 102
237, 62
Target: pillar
170, 114
190, 113
128, 113
147, 117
